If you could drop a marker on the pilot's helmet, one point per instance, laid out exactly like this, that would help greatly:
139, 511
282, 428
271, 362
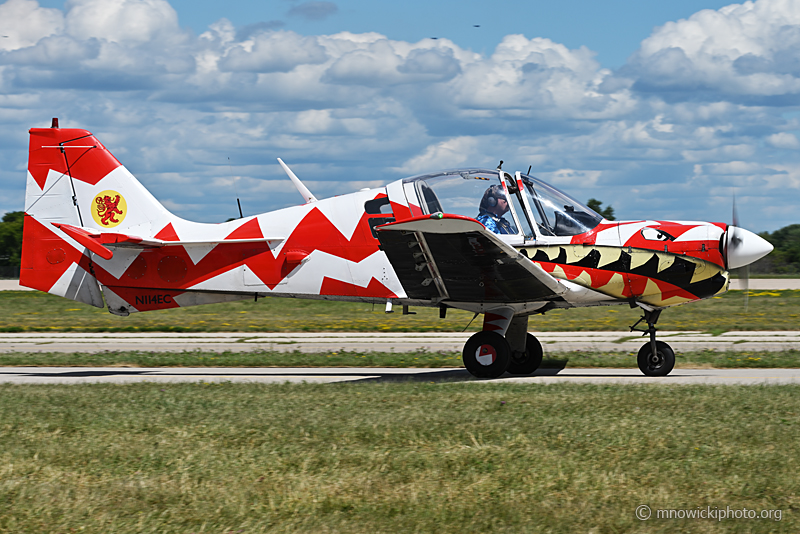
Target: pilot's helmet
491, 196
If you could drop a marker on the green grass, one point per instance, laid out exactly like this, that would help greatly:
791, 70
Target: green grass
22, 311
405, 457
610, 359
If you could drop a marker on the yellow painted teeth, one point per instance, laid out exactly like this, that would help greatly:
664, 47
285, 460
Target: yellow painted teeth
703, 270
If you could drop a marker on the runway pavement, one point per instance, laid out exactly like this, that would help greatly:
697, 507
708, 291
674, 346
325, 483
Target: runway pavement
119, 375
767, 284
552, 342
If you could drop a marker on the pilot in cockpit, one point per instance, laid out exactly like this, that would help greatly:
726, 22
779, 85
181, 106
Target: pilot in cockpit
494, 205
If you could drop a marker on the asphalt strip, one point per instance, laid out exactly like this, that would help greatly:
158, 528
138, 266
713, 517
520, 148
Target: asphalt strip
121, 375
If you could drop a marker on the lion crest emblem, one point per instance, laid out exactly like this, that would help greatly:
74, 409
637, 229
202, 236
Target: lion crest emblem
109, 209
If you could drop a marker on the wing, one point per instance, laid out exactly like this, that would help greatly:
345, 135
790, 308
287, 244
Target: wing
456, 258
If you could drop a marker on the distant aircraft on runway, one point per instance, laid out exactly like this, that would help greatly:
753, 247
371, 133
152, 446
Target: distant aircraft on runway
487, 241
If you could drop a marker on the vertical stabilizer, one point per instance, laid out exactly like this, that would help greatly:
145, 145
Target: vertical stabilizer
73, 179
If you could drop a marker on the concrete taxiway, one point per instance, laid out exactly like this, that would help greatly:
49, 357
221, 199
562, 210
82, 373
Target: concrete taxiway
120, 375
552, 342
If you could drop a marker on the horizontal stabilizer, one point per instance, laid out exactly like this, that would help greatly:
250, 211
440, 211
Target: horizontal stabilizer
98, 242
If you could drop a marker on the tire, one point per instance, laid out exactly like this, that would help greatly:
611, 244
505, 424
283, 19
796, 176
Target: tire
486, 355
527, 362
661, 365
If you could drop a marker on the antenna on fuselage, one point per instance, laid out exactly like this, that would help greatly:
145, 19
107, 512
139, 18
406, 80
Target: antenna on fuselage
306, 194
238, 203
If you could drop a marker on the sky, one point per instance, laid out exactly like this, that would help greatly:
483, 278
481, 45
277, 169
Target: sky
664, 110
613, 28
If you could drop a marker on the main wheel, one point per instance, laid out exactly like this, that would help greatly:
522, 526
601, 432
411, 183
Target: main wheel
486, 355
658, 364
525, 363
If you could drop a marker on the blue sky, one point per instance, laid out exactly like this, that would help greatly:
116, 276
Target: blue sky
662, 109
612, 28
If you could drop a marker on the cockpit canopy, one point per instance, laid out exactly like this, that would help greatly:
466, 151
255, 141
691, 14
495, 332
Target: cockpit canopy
538, 209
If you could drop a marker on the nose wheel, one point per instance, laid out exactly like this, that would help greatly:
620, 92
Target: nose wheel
658, 363
655, 358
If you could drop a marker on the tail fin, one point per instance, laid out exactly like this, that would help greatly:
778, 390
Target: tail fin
73, 179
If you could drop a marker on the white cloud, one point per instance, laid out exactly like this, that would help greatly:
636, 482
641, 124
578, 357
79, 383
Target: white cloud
432, 64
746, 50
787, 177
571, 179
56, 50
279, 51
783, 140
731, 168
371, 60
222, 31
537, 78
136, 21
446, 154
723, 152
373, 65
24, 23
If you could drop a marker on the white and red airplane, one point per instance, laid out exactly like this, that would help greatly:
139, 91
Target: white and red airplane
487, 241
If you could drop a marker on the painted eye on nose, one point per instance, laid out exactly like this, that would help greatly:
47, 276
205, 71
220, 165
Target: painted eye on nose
653, 234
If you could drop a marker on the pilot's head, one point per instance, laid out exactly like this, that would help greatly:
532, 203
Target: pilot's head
494, 200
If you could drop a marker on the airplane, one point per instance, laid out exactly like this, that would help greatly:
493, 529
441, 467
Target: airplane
505, 245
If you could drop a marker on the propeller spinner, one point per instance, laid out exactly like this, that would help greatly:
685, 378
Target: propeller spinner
744, 247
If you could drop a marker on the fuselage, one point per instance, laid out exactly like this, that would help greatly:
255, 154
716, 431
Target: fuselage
329, 249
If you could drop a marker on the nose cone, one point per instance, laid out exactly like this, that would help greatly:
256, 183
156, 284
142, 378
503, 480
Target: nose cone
744, 247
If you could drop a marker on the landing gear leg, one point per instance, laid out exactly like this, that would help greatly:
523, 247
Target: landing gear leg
655, 358
526, 351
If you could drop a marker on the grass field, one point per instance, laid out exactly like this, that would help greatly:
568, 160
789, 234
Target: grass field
395, 457
23, 311
617, 359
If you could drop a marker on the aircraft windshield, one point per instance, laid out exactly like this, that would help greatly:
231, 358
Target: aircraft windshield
556, 213
479, 195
